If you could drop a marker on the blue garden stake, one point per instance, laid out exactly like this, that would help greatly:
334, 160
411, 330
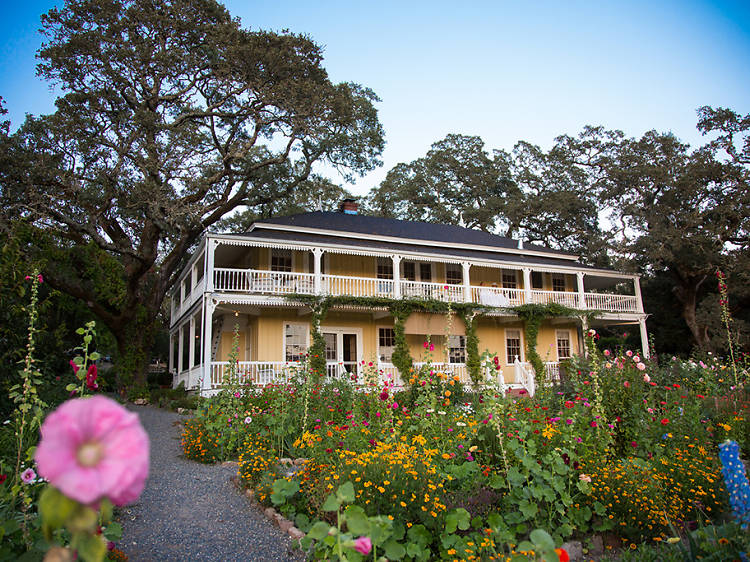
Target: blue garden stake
735, 479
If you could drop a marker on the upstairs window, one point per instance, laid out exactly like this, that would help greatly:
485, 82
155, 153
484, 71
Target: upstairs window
281, 260
453, 274
410, 270
386, 344
295, 341
513, 346
456, 349
537, 280
425, 272
509, 280
385, 268
563, 345
558, 282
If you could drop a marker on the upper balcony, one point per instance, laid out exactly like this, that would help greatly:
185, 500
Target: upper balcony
277, 283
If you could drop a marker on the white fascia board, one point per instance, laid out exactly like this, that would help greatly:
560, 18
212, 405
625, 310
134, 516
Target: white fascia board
419, 242
238, 240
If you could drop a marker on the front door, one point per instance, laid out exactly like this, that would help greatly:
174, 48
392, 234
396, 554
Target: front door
342, 351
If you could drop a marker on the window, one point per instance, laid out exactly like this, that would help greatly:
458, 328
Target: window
513, 346
453, 274
199, 267
331, 347
425, 272
537, 280
295, 341
558, 282
509, 279
385, 268
386, 343
563, 344
281, 260
456, 349
186, 287
410, 270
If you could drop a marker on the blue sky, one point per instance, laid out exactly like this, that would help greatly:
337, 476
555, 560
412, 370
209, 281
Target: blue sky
503, 70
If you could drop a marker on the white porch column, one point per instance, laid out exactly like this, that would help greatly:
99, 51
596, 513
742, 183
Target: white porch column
584, 331
208, 316
318, 283
396, 276
210, 249
639, 299
465, 266
581, 293
644, 337
170, 366
527, 284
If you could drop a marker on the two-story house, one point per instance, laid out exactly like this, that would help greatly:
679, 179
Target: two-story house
250, 280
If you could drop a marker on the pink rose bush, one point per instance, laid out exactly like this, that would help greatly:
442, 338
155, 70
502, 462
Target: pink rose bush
92, 449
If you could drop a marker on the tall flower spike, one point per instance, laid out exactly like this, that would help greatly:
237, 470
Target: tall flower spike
736, 481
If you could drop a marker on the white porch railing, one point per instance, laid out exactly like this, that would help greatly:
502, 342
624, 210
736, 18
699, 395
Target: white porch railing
265, 282
286, 283
258, 373
437, 291
357, 286
613, 303
524, 376
552, 372
564, 298
497, 296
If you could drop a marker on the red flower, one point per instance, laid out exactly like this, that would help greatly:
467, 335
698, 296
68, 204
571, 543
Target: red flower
569, 404
664, 421
3, 478
91, 378
75, 367
562, 555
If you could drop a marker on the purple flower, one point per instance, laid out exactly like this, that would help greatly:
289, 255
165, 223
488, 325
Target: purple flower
28, 476
363, 545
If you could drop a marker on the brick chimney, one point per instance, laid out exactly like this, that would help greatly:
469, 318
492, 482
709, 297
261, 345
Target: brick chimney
349, 206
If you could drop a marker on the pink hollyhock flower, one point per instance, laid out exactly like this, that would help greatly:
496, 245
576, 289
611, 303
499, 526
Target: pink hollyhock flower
636, 358
627, 384
646, 378
432, 347
363, 545
28, 476
606, 352
93, 448
641, 366
426, 344
629, 353
74, 366
40, 278
91, 378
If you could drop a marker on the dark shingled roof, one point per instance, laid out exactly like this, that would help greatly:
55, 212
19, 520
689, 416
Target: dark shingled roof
380, 226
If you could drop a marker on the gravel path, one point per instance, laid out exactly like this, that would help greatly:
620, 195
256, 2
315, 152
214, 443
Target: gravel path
191, 511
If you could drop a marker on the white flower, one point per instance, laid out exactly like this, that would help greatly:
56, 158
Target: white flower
248, 419
430, 410
441, 412
460, 424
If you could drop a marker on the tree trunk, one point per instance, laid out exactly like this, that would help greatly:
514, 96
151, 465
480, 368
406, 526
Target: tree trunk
134, 342
687, 293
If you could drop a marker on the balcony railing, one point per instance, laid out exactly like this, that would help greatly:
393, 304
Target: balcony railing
261, 282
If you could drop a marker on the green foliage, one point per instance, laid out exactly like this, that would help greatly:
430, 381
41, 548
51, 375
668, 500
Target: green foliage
533, 315
473, 360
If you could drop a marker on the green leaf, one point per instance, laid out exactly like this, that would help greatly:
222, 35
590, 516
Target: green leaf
393, 550
80, 331
319, 530
91, 548
345, 493
515, 477
331, 504
542, 539
356, 520
496, 482
113, 532
420, 535
71, 387
55, 509
528, 509
94, 356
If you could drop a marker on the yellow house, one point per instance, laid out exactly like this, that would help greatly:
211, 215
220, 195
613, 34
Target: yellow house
266, 282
